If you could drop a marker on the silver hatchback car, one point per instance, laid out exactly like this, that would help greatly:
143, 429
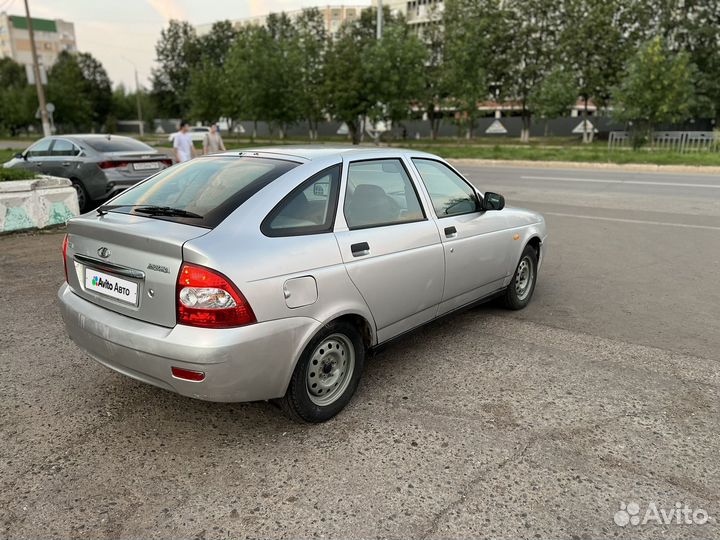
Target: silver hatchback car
269, 274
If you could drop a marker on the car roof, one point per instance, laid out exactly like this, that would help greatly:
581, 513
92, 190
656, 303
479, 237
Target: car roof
318, 152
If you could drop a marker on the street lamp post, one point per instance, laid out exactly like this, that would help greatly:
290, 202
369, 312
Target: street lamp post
141, 127
38, 82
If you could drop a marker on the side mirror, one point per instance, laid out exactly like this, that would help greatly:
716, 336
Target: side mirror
20, 155
493, 201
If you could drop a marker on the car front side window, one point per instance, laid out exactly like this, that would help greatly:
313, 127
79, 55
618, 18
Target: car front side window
451, 195
380, 192
39, 149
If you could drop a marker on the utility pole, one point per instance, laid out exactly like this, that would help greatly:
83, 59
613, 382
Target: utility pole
379, 29
38, 82
139, 108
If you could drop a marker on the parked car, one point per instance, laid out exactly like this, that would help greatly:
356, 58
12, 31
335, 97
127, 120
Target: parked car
269, 274
99, 166
197, 134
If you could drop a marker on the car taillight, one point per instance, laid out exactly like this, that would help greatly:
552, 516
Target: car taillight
112, 164
64, 251
208, 299
166, 162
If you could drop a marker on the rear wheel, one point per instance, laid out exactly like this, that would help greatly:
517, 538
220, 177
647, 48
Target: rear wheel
327, 374
521, 288
82, 196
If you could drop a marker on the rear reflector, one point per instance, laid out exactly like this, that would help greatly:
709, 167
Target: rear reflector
188, 374
64, 252
208, 299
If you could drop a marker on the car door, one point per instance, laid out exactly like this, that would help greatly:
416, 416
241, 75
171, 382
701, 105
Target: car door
37, 155
391, 250
62, 158
475, 242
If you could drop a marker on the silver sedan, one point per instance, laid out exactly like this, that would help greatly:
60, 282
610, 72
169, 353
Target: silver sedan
269, 274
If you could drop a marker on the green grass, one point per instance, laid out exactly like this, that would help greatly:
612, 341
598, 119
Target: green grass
12, 174
15, 174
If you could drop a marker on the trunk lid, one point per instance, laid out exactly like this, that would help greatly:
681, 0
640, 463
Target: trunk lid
128, 263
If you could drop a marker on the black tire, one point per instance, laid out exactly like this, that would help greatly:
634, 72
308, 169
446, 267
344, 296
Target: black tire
82, 195
299, 403
516, 296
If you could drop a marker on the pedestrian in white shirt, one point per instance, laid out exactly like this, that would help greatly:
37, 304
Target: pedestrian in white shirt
183, 144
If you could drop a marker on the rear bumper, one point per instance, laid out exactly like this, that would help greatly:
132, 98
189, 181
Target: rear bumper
240, 364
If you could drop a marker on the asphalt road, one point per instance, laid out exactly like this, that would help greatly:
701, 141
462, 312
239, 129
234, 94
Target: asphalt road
539, 423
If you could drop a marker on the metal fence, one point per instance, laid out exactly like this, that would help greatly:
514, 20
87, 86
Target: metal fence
674, 141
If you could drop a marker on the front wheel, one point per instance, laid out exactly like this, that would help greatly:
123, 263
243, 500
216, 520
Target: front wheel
327, 374
521, 288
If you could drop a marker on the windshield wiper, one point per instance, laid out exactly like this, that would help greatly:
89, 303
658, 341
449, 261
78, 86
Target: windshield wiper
150, 209
167, 211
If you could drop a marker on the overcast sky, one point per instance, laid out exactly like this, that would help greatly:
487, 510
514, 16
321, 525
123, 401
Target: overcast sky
121, 33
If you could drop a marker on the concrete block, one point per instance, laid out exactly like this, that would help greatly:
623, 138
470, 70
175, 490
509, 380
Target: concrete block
37, 203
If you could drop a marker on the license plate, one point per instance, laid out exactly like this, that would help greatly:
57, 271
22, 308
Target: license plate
146, 166
109, 285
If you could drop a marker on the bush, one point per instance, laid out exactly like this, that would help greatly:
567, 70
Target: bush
15, 174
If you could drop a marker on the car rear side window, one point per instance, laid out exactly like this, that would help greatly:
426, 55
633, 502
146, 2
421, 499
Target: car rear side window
380, 192
451, 195
117, 144
309, 209
63, 147
211, 187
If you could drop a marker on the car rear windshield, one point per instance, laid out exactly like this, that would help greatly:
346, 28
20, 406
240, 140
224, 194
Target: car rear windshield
210, 187
117, 144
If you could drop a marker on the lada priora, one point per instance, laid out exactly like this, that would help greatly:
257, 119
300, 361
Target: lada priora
269, 274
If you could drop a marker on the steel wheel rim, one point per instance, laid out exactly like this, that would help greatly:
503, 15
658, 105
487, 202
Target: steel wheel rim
330, 369
524, 277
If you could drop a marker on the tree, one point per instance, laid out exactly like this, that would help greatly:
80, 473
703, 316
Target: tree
17, 98
312, 48
694, 27
247, 75
398, 64
207, 91
348, 84
282, 73
178, 52
363, 74
658, 88
98, 87
596, 41
67, 91
532, 51
435, 92
472, 55
555, 95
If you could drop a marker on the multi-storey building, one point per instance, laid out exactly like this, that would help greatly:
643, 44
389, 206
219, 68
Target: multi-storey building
334, 17
51, 38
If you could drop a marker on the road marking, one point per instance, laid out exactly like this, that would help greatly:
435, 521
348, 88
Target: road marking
634, 182
637, 221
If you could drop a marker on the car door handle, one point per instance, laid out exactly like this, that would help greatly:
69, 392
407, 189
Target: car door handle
360, 249
450, 232
65, 163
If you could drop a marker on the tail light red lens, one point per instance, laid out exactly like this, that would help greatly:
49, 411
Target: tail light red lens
208, 299
64, 252
112, 164
166, 162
